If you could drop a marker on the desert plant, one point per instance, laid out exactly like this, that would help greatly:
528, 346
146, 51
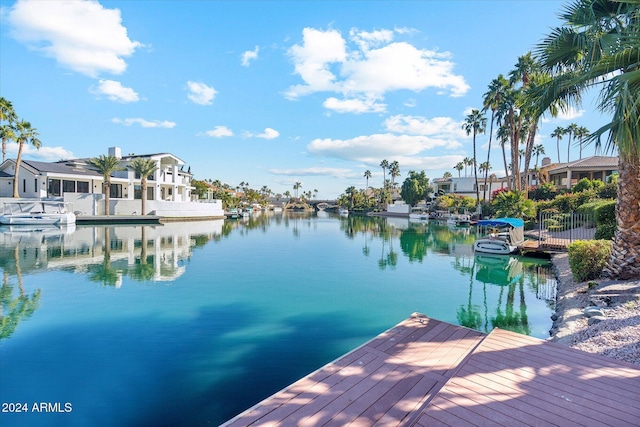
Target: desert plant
587, 258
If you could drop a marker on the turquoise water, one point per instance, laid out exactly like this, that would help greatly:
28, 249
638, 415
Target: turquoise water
205, 319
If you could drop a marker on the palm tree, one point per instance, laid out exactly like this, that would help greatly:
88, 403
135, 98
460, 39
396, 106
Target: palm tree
384, 165
296, 187
106, 165
394, 171
570, 130
459, 166
447, 175
503, 136
25, 133
475, 123
485, 167
468, 161
7, 132
599, 44
558, 133
581, 133
492, 100
537, 151
144, 168
367, 175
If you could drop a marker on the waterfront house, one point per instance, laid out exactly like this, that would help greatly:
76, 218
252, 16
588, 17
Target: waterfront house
169, 189
566, 175
466, 186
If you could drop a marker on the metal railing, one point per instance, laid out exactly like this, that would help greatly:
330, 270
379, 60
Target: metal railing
558, 230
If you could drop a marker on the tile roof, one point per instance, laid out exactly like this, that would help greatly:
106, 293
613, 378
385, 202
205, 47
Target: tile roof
606, 162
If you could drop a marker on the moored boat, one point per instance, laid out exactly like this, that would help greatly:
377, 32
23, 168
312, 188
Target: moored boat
418, 214
36, 213
508, 234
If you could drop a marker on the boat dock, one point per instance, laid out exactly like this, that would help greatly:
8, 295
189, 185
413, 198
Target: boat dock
424, 372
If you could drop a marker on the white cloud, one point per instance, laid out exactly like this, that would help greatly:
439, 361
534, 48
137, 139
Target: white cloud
249, 56
145, 123
114, 91
80, 35
219, 132
372, 148
200, 93
442, 127
267, 134
339, 173
374, 66
354, 105
569, 113
44, 154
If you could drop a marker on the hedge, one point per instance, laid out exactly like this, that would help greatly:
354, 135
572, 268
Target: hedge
587, 258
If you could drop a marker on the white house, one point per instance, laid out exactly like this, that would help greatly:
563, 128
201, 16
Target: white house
466, 186
169, 189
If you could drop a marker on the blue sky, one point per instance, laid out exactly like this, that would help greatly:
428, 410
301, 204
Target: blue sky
269, 92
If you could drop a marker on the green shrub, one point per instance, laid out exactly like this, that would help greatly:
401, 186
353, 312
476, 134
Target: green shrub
587, 258
546, 191
608, 191
566, 203
589, 208
605, 216
582, 185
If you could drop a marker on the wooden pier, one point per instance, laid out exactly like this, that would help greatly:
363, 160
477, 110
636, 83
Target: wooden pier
424, 372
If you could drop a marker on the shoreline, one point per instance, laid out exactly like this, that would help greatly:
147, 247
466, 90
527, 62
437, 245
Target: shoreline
616, 333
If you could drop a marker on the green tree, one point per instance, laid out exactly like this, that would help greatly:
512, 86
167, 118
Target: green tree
7, 131
513, 204
581, 133
144, 168
106, 165
475, 123
599, 44
571, 131
415, 187
497, 91
25, 134
394, 171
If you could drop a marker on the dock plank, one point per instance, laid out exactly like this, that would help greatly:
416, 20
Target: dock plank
424, 372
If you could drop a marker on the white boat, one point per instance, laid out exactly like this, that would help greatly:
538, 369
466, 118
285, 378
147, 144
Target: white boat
418, 214
343, 211
459, 220
508, 234
36, 213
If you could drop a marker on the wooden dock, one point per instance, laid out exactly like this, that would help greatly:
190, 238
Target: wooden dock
424, 372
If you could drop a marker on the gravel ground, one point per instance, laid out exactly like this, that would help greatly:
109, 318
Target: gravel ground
617, 334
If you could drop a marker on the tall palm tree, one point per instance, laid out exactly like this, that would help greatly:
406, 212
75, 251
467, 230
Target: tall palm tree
459, 166
599, 44
558, 133
297, 186
144, 168
7, 131
468, 161
394, 171
367, 175
503, 136
106, 165
24, 134
581, 133
475, 123
571, 131
492, 99
384, 165
484, 167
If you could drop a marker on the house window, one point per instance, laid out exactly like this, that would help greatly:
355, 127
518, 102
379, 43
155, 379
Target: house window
82, 186
115, 191
24, 185
54, 187
455, 187
68, 186
137, 192
150, 193
35, 185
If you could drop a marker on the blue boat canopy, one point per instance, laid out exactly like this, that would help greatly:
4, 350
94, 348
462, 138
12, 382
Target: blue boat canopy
501, 222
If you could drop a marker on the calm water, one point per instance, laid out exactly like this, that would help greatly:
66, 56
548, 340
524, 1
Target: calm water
191, 323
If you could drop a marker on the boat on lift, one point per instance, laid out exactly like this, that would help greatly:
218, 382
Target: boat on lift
506, 235
37, 212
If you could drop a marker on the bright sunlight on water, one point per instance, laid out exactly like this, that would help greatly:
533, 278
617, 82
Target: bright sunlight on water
191, 323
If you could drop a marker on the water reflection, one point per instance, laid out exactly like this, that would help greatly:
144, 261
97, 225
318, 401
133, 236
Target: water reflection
511, 280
